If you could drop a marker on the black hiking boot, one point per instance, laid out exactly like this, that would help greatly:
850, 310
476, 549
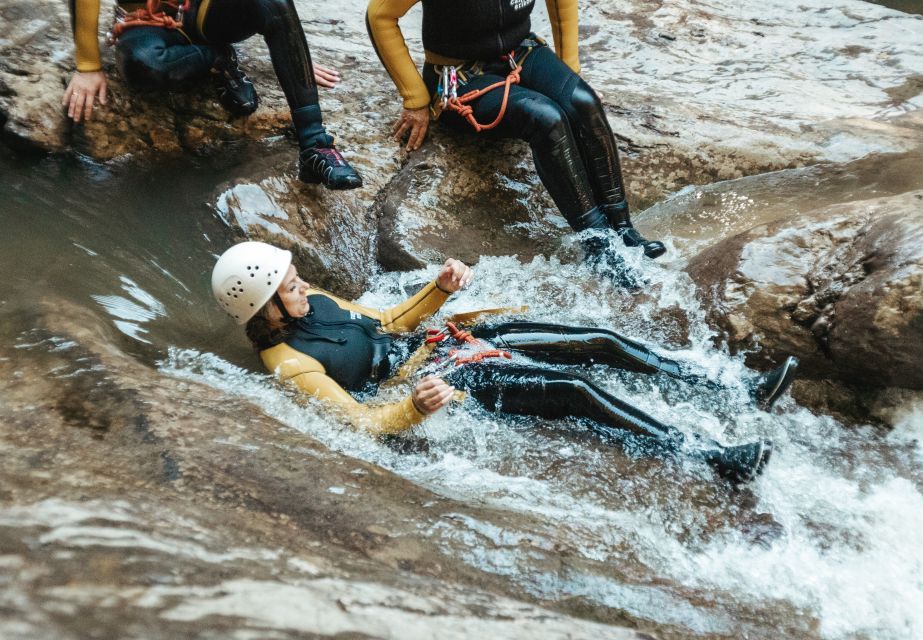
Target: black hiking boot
770, 386
325, 165
619, 220
740, 464
235, 91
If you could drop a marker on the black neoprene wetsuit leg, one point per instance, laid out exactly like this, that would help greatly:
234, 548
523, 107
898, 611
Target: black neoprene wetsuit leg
156, 58
541, 122
548, 393
277, 21
153, 58
545, 72
561, 344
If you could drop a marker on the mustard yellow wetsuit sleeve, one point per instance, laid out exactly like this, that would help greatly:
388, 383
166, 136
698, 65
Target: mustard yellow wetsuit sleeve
85, 20
309, 375
406, 316
381, 19
563, 15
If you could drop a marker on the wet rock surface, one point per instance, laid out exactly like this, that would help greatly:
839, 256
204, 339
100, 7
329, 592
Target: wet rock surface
671, 78
840, 287
123, 511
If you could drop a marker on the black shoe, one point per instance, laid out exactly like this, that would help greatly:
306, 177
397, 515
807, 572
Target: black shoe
771, 385
742, 463
235, 91
633, 238
325, 165
619, 220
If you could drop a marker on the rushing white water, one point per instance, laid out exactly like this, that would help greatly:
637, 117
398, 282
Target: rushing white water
658, 540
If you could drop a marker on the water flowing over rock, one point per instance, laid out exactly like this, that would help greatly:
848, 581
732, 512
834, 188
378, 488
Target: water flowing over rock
840, 287
123, 508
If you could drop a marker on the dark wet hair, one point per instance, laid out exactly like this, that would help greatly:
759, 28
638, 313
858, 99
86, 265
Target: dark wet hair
263, 332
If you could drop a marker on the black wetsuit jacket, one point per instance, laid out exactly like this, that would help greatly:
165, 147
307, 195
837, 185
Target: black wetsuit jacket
349, 345
475, 29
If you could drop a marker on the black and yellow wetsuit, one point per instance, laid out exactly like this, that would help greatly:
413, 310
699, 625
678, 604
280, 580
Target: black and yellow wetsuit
341, 347
155, 58
552, 108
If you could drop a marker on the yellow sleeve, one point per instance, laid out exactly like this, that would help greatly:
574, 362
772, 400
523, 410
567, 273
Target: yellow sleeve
381, 20
309, 375
563, 14
85, 20
406, 316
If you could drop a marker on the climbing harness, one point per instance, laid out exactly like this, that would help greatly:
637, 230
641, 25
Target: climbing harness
154, 14
447, 90
450, 330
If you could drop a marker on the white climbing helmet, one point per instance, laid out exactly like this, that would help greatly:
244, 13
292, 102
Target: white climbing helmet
246, 276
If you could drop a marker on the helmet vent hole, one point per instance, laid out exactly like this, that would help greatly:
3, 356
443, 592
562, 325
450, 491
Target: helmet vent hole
251, 304
248, 267
256, 268
238, 282
252, 275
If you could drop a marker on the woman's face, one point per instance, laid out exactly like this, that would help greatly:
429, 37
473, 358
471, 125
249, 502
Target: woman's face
294, 293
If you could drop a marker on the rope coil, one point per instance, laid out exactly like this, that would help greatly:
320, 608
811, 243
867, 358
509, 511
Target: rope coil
152, 15
452, 331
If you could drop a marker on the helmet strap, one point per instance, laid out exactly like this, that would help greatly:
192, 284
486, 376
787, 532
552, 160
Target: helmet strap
281, 307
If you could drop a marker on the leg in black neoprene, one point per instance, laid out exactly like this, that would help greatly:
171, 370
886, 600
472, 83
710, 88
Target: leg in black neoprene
560, 344
277, 21
553, 394
544, 72
152, 58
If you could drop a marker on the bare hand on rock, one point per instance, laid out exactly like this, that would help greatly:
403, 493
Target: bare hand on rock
413, 123
82, 91
431, 394
326, 77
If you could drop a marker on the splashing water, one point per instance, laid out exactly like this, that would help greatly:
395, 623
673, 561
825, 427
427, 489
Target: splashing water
830, 535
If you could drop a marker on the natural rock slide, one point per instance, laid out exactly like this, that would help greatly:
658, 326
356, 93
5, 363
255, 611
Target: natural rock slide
777, 149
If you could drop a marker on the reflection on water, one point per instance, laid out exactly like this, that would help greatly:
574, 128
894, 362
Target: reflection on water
826, 544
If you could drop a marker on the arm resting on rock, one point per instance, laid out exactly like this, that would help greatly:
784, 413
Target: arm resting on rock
563, 15
381, 21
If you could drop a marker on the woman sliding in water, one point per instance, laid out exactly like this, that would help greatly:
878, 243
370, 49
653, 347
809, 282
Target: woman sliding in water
163, 45
485, 72
329, 347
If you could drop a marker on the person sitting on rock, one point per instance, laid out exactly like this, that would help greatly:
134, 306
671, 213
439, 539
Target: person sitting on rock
165, 45
486, 72
329, 347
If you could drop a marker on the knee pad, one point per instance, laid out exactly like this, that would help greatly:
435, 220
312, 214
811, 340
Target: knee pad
585, 103
548, 121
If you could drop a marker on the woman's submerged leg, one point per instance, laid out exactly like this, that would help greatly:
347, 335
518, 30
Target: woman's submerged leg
277, 21
552, 394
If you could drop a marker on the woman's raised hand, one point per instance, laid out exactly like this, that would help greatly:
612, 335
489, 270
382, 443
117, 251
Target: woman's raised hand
413, 123
454, 275
431, 394
83, 89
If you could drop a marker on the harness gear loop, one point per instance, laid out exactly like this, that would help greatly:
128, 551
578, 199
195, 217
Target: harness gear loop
151, 15
460, 335
459, 104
